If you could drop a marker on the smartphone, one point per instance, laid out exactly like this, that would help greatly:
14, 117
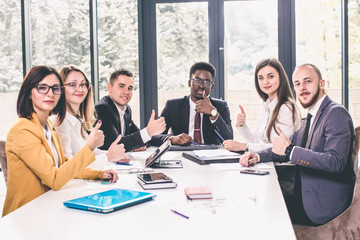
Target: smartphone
255, 172
158, 177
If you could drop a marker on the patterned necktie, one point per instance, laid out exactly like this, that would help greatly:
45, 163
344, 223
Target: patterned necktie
197, 129
306, 131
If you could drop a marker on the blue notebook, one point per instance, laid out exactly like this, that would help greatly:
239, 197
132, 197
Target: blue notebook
110, 200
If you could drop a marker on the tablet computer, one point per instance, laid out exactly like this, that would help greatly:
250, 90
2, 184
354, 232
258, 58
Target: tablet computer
109, 201
154, 159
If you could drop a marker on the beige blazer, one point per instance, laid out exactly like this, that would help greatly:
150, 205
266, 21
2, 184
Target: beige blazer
31, 164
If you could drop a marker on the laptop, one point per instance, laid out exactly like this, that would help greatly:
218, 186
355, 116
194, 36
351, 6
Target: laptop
109, 201
154, 161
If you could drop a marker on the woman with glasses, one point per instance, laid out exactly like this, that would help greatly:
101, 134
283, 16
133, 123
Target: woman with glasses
35, 158
80, 118
279, 109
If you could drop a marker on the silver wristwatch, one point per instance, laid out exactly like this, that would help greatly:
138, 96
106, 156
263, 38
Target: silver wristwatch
214, 112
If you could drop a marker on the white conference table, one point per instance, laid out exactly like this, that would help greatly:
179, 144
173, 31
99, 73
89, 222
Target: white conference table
243, 207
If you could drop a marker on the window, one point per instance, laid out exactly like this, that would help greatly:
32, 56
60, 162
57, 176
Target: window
10, 62
118, 45
318, 40
251, 35
181, 41
60, 33
354, 59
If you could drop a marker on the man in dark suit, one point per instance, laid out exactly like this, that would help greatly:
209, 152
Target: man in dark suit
115, 114
212, 114
322, 151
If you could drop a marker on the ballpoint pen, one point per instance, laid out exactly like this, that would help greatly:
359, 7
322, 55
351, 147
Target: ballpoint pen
195, 143
180, 214
217, 133
122, 163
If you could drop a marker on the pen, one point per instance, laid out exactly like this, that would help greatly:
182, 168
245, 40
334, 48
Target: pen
217, 133
195, 143
122, 163
180, 214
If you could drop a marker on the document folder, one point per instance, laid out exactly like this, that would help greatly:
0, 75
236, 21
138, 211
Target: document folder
207, 160
192, 147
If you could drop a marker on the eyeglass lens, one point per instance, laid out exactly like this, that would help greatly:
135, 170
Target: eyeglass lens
76, 85
44, 89
198, 81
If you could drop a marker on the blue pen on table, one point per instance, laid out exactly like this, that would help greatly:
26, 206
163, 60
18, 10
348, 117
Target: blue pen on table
122, 163
195, 143
180, 214
217, 133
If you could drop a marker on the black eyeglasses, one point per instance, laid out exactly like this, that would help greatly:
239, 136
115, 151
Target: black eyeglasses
44, 89
75, 85
197, 81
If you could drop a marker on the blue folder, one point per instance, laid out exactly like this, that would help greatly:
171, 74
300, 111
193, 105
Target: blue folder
109, 201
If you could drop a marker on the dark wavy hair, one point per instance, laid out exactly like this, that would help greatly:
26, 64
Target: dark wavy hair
284, 93
24, 104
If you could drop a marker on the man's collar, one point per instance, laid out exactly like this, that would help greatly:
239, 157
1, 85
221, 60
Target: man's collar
313, 111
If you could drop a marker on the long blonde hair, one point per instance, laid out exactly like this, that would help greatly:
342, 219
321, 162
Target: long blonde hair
87, 110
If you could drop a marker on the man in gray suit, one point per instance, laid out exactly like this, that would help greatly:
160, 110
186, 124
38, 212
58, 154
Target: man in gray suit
321, 150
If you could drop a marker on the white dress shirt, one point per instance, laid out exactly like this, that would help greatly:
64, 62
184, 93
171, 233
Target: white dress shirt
143, 132
47, 133
192, 120
257, 140
72, 141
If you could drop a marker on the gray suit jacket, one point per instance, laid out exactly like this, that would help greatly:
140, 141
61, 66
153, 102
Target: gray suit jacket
326, 165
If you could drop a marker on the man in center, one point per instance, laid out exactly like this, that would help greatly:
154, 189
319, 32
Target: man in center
197, 118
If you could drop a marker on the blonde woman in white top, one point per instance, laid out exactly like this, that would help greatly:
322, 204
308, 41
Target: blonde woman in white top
279, 109
80, 118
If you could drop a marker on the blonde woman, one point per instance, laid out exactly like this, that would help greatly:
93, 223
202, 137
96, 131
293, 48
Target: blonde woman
79, 119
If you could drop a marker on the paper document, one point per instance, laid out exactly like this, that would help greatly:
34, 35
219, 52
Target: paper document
215, 153
237, 166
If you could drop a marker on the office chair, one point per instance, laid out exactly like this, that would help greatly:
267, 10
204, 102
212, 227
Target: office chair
3, 162
347, 224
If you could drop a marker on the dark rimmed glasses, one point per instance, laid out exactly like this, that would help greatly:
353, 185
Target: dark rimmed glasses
44, 89
197, 81
75, 85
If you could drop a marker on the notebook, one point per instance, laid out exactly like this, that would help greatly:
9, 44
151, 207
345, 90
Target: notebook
109, 201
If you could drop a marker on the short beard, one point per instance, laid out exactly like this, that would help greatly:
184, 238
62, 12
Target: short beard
312, 101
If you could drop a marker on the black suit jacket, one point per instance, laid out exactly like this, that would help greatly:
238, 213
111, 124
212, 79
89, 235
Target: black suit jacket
109, 115
176, 113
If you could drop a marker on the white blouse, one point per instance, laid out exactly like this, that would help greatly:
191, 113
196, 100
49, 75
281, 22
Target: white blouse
72, 141
257, 140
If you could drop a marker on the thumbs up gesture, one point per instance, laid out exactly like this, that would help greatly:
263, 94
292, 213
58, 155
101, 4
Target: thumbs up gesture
116, 152
280, 143
241, 117
155, 126
204, 105
96, 137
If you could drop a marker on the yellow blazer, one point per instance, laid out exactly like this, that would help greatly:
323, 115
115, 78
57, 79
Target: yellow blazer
31, 164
